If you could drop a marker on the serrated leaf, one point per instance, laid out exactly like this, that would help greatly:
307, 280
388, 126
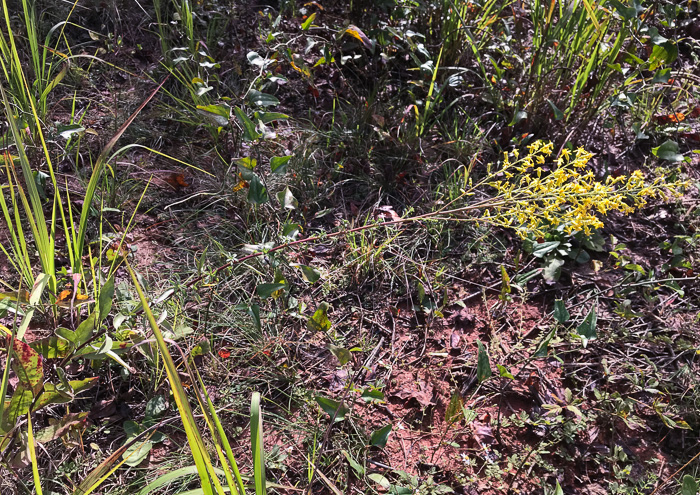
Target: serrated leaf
483, 366
379, 437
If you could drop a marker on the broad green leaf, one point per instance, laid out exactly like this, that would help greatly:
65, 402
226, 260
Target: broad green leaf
310, 274
267, 117
330, 407
257, 192
52, 347
262, 99
106, 297
558, 490
155, 408
689, 485
247, 162
543, 349
19, 405
662, 76
278, 164
341, 353
561, 314
255, 59
668, 151
558, 114
663, 54
267, 290
503, 372
627, 13
517, 117
587, 329
249, 131
380, 480
217, 115
541, 249
52, 394
204, 347
379, 437
67, 131
137, 453
85, 330
372, 395
359, 469
483, 366
319, 322
291, 230
40, 284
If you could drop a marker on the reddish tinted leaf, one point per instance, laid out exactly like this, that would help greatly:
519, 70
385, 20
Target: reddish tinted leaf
28, 366
672, 118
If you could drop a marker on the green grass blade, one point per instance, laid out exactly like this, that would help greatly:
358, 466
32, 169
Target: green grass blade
32, 455
97, 174
257, 446
194, 438
219, 435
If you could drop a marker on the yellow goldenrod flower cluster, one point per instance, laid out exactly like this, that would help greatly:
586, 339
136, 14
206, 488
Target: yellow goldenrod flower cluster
535, 193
